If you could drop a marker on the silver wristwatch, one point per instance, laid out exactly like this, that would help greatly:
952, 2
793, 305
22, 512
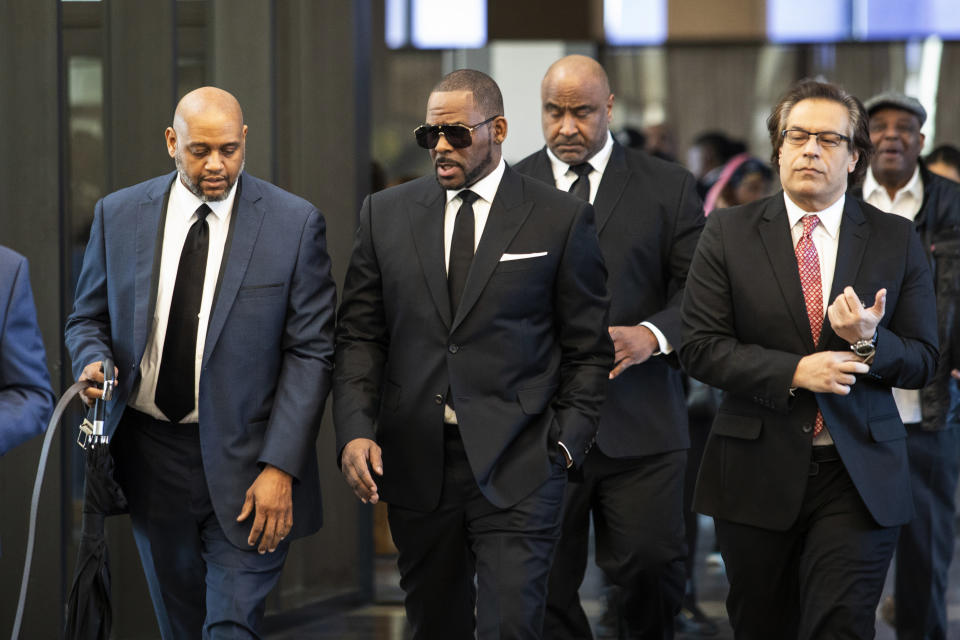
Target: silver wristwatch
865, 349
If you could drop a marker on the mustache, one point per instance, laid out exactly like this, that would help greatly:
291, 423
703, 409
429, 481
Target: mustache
445, 160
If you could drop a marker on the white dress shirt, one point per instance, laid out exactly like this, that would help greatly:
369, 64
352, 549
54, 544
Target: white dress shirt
564, 177
181, 214
486, 189
826, 237
906, 203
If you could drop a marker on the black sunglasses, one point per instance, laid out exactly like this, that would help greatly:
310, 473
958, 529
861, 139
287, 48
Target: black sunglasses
458, 135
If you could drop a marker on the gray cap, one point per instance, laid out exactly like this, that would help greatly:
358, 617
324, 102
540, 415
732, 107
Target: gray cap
896, 100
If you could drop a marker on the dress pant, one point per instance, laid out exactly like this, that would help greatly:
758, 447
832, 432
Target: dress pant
699, 430
926, 542
637, 507
819, 580
200, 584
508, 550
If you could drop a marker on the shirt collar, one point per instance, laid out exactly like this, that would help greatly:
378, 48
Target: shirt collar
185, 200
486, 187
914, 187
829, 217
598, 161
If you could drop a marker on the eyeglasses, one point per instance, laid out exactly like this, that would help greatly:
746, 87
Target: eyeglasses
826, 139
458, 135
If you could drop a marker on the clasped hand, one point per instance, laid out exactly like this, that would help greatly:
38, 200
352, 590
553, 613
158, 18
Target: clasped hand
836, 371
851, 320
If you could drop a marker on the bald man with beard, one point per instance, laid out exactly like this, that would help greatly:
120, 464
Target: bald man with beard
648, 221
211, 292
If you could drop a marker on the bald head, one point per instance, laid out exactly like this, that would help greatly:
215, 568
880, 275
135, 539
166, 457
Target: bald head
579, 70
206, 100
207, 140
577, 106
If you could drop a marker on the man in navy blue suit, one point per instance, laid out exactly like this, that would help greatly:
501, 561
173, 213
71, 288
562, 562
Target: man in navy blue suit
25, 396
211, 292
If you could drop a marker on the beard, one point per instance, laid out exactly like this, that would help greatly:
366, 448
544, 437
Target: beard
194, 186
471, 176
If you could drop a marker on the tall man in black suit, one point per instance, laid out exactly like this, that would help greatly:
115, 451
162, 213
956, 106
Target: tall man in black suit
898, 182
468, 383
806, 468
648, 219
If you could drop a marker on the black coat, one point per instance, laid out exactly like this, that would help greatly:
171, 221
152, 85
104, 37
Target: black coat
938, 223
648, 219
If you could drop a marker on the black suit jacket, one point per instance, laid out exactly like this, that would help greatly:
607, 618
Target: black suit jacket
649, 218
938, 223
746, 329
526, 355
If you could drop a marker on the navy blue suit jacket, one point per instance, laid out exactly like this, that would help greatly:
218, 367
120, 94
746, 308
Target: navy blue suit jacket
746, 329
26, 399
268, 352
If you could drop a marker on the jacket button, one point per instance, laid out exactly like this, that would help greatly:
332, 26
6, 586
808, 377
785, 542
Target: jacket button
453, 348
438, 399
807, 428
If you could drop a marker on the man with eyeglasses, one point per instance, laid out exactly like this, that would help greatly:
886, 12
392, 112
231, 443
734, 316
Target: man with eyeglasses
471, 363
806, 308
649, 218
898, 182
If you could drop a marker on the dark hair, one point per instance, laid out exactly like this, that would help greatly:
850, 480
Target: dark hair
486, 93
945, 153
808, 89
749, 167
720, 144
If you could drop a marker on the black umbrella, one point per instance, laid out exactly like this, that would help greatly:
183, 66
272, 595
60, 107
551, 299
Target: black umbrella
89, 612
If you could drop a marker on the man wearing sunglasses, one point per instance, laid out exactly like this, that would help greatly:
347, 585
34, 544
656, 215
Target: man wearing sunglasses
805, 308
472, 357
649, 218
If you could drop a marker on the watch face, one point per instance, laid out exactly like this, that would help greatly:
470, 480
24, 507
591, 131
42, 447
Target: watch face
863, 350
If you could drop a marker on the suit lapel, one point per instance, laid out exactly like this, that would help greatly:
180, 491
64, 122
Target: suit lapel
614, 181
151, 215
777, 242
541, 169
851, 244
426, 224
244, 231
508, 211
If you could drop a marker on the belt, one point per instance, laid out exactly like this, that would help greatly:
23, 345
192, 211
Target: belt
821, 455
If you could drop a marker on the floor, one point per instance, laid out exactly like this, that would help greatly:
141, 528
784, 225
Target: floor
384, 620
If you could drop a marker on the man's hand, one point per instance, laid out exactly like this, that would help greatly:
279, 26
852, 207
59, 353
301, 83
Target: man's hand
92, 373
632, 345
850, 320
358, 457
828, 372
271, 497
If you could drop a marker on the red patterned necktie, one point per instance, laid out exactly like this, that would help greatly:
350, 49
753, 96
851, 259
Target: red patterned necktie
809, 264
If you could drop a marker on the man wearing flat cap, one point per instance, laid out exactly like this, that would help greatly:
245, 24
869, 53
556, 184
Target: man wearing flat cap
898, 182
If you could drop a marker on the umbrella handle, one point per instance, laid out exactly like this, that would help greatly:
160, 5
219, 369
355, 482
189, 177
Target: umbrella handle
65, 399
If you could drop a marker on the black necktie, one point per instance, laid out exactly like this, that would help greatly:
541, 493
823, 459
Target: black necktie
581, 186
461, 249
175, 394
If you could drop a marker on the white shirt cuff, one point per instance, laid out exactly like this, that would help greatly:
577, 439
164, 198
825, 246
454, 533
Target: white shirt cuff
567, 452
665, 346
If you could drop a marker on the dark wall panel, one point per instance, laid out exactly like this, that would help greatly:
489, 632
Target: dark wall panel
30, 214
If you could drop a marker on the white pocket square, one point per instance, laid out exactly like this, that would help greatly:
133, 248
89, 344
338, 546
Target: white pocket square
521, 256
